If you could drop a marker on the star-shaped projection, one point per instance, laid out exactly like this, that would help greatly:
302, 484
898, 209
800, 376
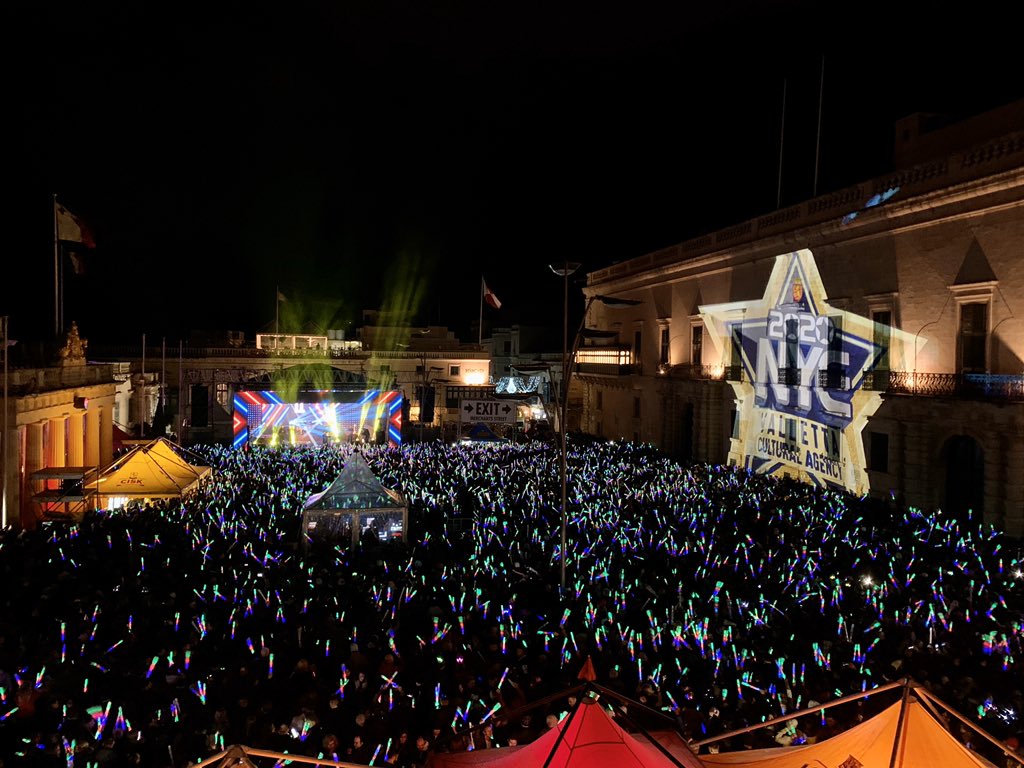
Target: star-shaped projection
800, 401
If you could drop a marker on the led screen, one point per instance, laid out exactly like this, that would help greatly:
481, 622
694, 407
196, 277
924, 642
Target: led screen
336, 417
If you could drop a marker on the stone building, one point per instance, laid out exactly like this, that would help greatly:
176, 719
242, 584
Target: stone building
871, 338
59, 423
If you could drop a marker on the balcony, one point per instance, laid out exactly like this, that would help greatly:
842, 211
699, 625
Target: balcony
693, 372
610, 360
969, 386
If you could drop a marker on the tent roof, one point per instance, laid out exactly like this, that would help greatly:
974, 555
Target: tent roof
149, 471
482, 432
591, 739
356, 488
924, 743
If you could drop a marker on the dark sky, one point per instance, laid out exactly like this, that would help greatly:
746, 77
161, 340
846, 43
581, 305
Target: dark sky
365, 154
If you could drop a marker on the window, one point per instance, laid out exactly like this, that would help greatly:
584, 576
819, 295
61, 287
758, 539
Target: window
697, 344
882, 331
222, 393
835, 373
454, 370
878, 452
734, 371
789, 373
663, 355
974, 302
636, 406
882, 311
638, 336
973, 341
599, 400
419, 370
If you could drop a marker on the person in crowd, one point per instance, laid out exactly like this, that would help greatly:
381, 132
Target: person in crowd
167, 631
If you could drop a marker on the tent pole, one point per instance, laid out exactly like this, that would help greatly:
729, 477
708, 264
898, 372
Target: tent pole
802, 712
896, 742
636, 724
562, 730
632, 702
924, 693
517, 712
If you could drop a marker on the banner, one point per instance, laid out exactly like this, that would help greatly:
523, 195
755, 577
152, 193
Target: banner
798, 367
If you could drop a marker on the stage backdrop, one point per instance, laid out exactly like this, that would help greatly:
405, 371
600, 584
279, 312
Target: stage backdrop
332, 417
798, 368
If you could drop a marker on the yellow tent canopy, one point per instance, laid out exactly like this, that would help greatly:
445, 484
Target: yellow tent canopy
151, 471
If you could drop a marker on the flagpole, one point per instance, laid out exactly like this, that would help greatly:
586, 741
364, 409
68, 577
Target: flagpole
782, 139
480, 325
277, 310
6, 437
142, 394
56, 279
181, 395
817, 143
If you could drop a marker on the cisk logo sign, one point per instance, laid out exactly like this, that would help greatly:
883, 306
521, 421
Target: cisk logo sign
801, 404
132, 479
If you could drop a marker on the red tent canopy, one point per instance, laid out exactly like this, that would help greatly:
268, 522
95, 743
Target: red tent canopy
589, 739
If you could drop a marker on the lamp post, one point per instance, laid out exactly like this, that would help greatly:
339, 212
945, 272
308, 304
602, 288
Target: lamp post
564, 270
568, 358
5, 440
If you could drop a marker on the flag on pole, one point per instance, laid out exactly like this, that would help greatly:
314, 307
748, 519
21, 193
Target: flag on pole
489, 296
71, 228
281, 296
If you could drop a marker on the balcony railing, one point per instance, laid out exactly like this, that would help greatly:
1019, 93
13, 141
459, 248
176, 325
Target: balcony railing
609, 369
974, 386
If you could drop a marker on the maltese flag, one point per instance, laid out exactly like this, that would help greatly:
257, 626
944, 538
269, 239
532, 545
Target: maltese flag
489, 296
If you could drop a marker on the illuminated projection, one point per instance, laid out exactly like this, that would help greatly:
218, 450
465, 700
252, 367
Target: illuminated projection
801, 402
338, 417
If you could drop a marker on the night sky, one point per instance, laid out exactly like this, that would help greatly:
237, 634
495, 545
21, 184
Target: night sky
368, 154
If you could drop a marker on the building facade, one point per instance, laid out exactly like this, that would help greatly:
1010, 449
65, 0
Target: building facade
872, 338
59, 426
193, 385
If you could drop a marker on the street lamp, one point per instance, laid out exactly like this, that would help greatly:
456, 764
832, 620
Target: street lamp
564, 269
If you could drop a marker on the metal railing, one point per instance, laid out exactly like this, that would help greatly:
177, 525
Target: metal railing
975, 386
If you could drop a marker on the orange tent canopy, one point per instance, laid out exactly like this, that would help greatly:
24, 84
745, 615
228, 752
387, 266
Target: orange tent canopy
923, 743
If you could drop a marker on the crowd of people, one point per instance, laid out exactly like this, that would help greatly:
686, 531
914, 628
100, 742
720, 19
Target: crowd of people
161, 634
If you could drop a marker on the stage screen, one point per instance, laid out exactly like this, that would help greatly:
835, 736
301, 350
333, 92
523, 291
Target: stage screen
371, 416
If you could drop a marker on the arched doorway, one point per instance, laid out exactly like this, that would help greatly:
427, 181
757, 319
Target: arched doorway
965, 476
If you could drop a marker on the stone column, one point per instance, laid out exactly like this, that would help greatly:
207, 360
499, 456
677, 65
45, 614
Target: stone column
1012, 512
9, 443
91, 454
76, 440
34, 461
58, 442
897, 454
919, 490
105, 425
